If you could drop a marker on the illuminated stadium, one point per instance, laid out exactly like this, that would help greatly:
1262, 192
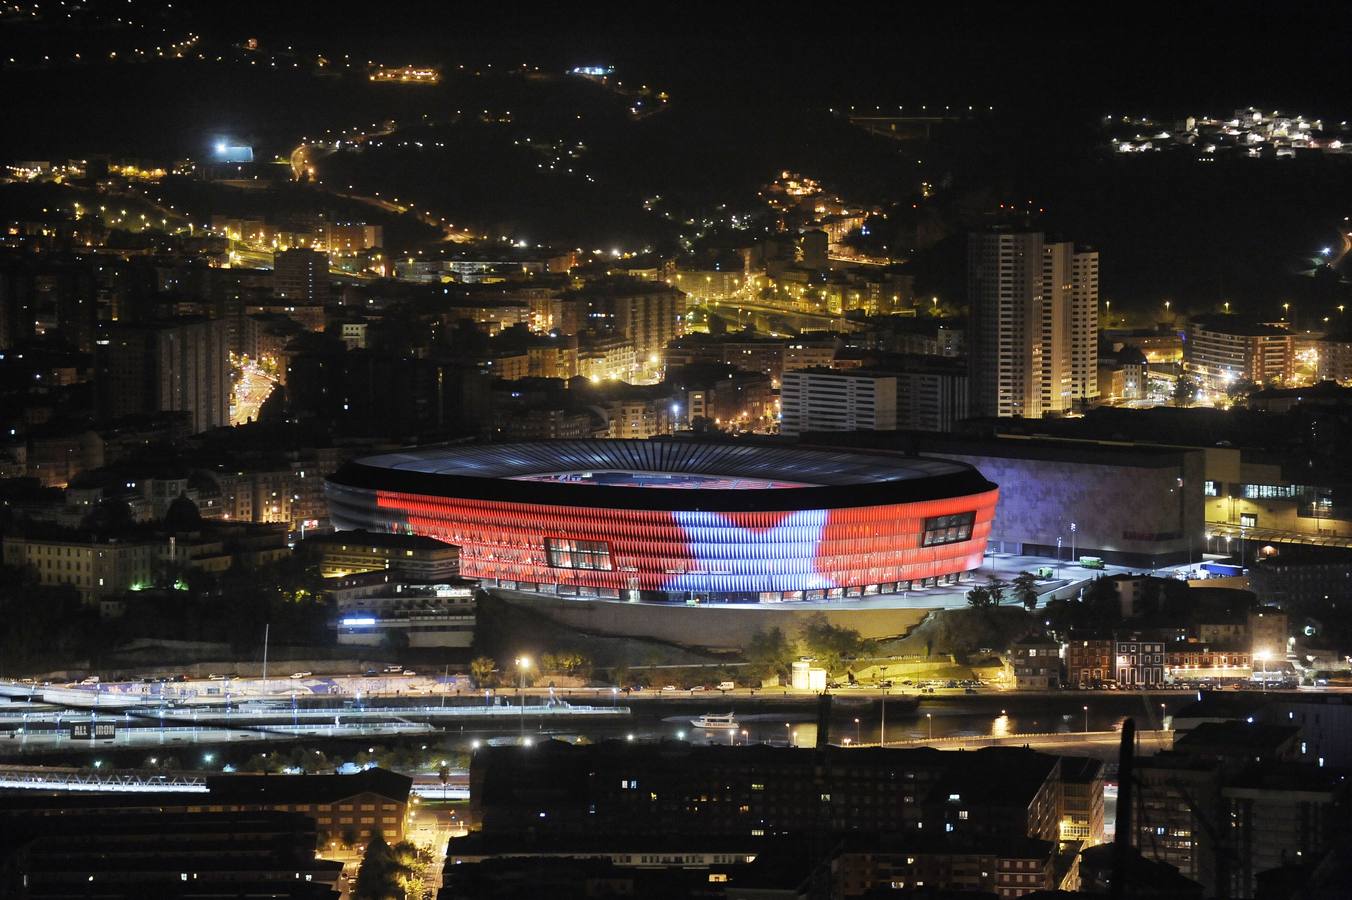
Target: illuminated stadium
679, 521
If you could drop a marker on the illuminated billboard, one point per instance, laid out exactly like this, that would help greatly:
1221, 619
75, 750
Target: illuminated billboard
226, 152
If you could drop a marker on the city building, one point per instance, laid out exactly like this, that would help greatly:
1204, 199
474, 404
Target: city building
1252, 494
101, 565
411, 556
1335, 359
649, 315
1268, 632
1032, 341
1123, 375
1280, 815
1298, 575
1138, 662
371, 801
300, 276
380, 609
678, 520
57, 849
1224, 350
825, 400
1081, 800
1192, 661
1233, 800
633, 789
1036, 663
1136, 505
181, 365
920, 395
1089, 661
1007, 868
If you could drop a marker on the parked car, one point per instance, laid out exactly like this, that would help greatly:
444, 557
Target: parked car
698, 687
668, 688
726, 686
410, 672
301, 674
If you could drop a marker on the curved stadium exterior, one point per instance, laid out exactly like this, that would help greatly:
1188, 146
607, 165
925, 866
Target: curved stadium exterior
676, 520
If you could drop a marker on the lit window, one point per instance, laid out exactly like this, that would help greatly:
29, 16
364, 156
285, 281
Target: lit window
564, 553
948, 529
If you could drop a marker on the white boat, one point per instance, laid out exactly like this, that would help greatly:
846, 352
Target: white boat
715, 722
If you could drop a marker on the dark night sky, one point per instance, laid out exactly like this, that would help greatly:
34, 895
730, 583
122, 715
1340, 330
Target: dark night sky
750, 83
1080, 54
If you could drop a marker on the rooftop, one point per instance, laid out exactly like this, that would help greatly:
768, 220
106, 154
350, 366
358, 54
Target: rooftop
1235, 324
614, 473
383, 539
307, 788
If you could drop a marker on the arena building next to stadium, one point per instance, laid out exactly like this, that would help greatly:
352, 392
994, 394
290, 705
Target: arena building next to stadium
679, 521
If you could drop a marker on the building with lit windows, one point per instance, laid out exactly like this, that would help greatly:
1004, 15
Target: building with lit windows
1032, 341
413, 556
301, 276
677, 520
1222, 350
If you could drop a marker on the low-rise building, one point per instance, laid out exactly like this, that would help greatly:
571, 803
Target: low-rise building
412, 556
1010, 868
1036, 663
378, 609
1138, 662
1194, 660
375, 800
1268, 632
1089, 661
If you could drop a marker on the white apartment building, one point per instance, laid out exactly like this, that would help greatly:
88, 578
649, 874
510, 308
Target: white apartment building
1032, 343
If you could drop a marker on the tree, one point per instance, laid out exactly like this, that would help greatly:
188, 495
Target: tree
481, 670
997, 587
768, 654
381, 874
832, 644
979, 597
1025, 590
1185, 391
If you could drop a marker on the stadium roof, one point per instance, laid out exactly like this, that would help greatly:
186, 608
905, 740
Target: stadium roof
817, 478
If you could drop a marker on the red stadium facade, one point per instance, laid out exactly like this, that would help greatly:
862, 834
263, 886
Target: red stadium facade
672, 521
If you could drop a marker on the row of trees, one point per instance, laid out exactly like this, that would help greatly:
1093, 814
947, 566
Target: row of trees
1023, 589
485, 671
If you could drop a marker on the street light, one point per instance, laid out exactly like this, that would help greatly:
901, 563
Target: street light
1072, 541
856, 730
788, 734
1263, 656
1086, 720
522, 664
929, 720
